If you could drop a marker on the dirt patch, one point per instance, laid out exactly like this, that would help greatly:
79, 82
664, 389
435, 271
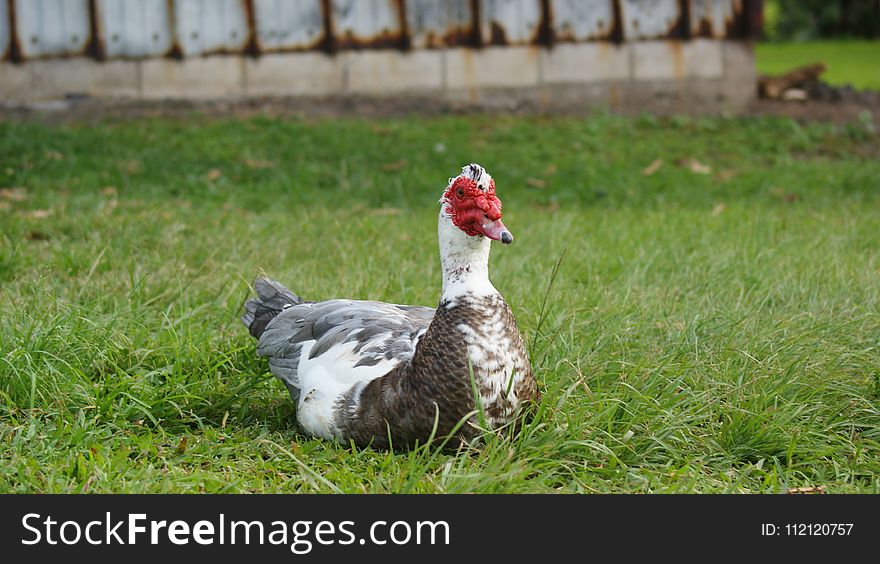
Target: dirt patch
817, 110
84, 109
819, 101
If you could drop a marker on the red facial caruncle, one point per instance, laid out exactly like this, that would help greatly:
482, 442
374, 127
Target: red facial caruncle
476, 211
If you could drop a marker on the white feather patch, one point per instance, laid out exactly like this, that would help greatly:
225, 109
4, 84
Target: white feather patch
325, 379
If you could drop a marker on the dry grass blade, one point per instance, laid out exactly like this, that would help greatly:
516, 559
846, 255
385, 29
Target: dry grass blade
13, 194
653, 167
536, 182
395, 166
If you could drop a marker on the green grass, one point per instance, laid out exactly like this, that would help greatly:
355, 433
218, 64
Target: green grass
705, 333
848, 62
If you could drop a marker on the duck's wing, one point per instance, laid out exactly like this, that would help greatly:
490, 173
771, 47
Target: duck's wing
337, 343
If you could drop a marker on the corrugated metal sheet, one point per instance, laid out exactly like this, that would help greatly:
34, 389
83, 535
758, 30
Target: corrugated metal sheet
582, 20
649, 19
134, 28
5, 36
182, 28
367, 23
210, 26
49, 28
439, 23
288, 24
510, 22
711, 18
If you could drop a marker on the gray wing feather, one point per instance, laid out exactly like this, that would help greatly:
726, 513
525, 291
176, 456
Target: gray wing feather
272, 298
333, 336
379, 330
285, 370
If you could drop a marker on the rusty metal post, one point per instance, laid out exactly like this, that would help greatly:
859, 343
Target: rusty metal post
252, 46
15, 54
616, 34
175, 52
405, 38
545, 34
684, 22
95, 46
476, 32
328, 43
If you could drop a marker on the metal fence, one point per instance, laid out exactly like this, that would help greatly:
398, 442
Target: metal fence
139, 29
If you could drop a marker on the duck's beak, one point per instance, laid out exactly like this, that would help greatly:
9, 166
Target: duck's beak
496, 231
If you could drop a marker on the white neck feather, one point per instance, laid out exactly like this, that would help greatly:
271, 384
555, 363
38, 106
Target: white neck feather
464, 260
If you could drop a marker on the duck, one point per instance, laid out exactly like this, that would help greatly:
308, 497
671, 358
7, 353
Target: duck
391, 376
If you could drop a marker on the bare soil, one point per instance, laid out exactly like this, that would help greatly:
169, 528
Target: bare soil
865, 105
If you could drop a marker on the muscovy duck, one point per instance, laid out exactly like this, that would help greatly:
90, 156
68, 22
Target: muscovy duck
394, 376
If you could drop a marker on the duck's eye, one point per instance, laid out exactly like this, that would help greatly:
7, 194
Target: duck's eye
460, 192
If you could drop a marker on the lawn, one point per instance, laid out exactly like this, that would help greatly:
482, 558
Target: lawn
713, 327
848, 62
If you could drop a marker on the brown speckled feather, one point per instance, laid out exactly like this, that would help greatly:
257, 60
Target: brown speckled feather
400, 409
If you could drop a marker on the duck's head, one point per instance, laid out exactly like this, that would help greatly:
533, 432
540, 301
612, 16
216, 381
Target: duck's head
471, 204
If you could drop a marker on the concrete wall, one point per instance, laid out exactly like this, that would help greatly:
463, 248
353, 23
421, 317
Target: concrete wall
595, 73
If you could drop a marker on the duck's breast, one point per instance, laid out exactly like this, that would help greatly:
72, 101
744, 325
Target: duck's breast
496, 351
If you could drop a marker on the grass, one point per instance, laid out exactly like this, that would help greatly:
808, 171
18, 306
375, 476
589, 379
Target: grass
705, 332
848, 62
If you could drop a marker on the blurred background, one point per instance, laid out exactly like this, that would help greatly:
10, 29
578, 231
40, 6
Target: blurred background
538, 55
806, 20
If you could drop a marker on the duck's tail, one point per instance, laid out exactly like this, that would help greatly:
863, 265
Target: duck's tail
272, 298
